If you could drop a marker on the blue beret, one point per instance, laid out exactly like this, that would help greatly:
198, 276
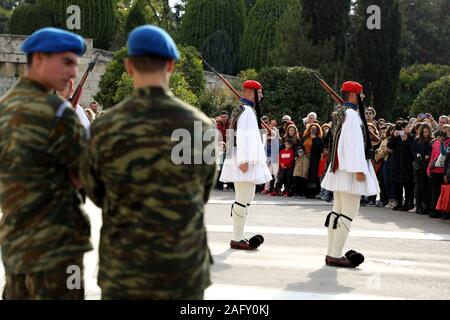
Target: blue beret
52, 40
152, 40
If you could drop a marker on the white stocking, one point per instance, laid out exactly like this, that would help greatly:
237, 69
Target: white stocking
349, 207
245, 192
337, 207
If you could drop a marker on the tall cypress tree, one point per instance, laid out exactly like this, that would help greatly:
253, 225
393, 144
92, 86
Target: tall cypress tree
377, 54
98, 18
313, 34
329, 21
218, 47
136, 17
427, 31
259, 35
4, 18
27, 18
203, 18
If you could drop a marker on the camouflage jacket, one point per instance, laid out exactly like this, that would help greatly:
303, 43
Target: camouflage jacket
42, 223
153, 238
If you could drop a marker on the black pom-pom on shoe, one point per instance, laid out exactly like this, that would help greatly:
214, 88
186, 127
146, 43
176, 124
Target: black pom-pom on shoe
256, 241
355, 258
261, 237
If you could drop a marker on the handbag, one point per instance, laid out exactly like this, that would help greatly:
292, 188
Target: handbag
440, 162
322, 166
302, 167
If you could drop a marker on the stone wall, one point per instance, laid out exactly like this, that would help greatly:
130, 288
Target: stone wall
13, 65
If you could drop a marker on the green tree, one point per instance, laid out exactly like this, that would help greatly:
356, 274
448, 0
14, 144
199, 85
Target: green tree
426, 31
291, 43
178, 86
329, 21
249, 74
98, 18
216, 99
435, 99
190, 65
179, 10
157, 12
377, 60
134, 13
187, 80
295, 47
249, 4
204, 18
27, 18
4, 18
259, 34
11, 4
110, 80
137, 16
218, 47
412, 81
293, 91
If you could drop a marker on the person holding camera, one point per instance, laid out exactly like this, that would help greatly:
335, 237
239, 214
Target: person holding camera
402, 166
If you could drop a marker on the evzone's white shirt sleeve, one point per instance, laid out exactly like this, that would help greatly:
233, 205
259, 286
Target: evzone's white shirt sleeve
351, 151
83, 118
249, 147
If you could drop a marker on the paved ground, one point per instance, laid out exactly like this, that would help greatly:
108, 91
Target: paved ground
407, 255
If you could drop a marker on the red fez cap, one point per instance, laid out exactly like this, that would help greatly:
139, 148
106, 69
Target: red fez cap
352, 86
252, 84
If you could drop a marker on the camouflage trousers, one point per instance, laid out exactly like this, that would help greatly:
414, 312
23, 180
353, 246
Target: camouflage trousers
50, 284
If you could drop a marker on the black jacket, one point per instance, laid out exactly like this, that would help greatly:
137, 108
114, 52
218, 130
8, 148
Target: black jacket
403, 159
422, 148
314, 159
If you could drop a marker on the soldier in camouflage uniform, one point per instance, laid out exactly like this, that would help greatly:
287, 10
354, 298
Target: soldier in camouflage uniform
43, 231
153, 241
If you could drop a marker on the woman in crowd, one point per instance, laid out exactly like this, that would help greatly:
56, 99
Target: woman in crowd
402, 166
385, 153
293, 134
313, 147
325, 194
380, 154
436, 171
421, 149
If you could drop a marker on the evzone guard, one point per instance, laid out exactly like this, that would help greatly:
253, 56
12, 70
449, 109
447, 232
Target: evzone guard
350, 174
245, 164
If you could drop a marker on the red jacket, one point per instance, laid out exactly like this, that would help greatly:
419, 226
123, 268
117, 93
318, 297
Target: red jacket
287, 158
223, 129
434, 155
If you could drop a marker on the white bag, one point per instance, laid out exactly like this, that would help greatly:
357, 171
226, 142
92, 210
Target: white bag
440, 162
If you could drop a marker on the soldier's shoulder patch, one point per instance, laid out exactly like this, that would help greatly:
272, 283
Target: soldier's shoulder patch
61, 108
54, 100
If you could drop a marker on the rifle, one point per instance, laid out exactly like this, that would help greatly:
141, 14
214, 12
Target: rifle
236, 93
77, 94
328, 89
